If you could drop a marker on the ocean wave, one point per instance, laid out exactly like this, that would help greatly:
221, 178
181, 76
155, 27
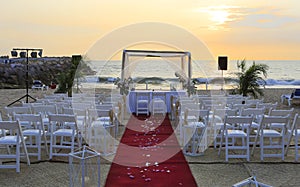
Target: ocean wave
200, 80
282, 82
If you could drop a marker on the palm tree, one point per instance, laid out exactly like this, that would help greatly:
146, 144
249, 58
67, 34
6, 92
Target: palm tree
251, 78
66, 79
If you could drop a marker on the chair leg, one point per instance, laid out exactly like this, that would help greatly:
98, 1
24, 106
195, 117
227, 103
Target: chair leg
51, 147
72, 144
38, 142
18, 158
261, 144
248, 148
226, 149
282, 148
296, 148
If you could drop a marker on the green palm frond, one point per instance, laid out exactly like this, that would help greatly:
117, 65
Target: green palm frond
249, 78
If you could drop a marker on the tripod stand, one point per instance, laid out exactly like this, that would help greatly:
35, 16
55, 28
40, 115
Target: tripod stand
22, 54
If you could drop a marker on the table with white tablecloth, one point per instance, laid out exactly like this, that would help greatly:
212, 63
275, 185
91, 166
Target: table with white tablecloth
131, 98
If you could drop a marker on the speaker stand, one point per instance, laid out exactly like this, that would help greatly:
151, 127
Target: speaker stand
27, 96
222, 84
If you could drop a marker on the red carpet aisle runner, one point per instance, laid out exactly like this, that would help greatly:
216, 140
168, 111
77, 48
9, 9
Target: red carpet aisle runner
149, 155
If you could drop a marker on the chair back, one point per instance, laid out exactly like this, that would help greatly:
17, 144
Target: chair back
238, 121
100, 115
295, 124
74, 111
34, 121
12, 127
277, 112
44, 109
10, 111
254, 102
62, 121
267, 106
142, 96
104, 106
159, 95
256, 112
293, 132
219, 114
267, 120
196, 115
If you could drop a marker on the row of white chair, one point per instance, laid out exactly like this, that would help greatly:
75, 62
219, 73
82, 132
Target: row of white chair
216, 123
273, 135
37, 127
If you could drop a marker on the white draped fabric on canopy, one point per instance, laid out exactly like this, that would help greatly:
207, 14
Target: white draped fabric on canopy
180, 61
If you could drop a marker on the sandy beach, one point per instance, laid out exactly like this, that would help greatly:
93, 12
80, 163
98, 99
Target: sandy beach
208, 170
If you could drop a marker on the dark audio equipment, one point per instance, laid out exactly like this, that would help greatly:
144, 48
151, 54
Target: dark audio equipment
222, 61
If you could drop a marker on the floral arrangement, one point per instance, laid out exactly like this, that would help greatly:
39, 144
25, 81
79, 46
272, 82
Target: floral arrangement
124, 85
189, 85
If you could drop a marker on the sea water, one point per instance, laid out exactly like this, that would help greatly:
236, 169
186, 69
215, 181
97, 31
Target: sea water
156, 74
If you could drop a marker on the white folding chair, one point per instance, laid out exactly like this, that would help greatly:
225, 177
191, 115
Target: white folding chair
294, 132
264, 133
257, 114
34, 131
234, 132
142, 103
101, 131
14, 139
217, 121
45, 110
64, 127
181, 107
194, 131
158, 103
81, 117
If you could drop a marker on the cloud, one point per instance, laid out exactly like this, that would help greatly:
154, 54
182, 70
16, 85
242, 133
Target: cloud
227, 17
263, 18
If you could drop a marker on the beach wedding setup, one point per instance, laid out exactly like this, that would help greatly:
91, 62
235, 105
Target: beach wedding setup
147, 130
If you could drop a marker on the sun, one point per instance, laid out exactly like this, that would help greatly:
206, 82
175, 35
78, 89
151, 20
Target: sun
219, 16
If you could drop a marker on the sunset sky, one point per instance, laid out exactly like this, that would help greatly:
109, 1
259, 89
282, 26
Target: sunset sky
252, 29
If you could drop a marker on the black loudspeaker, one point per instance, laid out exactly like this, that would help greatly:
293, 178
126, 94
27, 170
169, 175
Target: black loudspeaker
222, 61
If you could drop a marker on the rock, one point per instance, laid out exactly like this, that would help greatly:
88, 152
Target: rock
46, 69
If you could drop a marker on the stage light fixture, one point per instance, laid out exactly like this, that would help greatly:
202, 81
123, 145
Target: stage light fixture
14, 53
33, 54
23, 54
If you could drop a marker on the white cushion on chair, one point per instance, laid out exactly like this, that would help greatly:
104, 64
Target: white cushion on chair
31, 132
103, 119
8, 140
277, 125
238, 133
298, 132
269, 132
143, 101
196, 124
63, 132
